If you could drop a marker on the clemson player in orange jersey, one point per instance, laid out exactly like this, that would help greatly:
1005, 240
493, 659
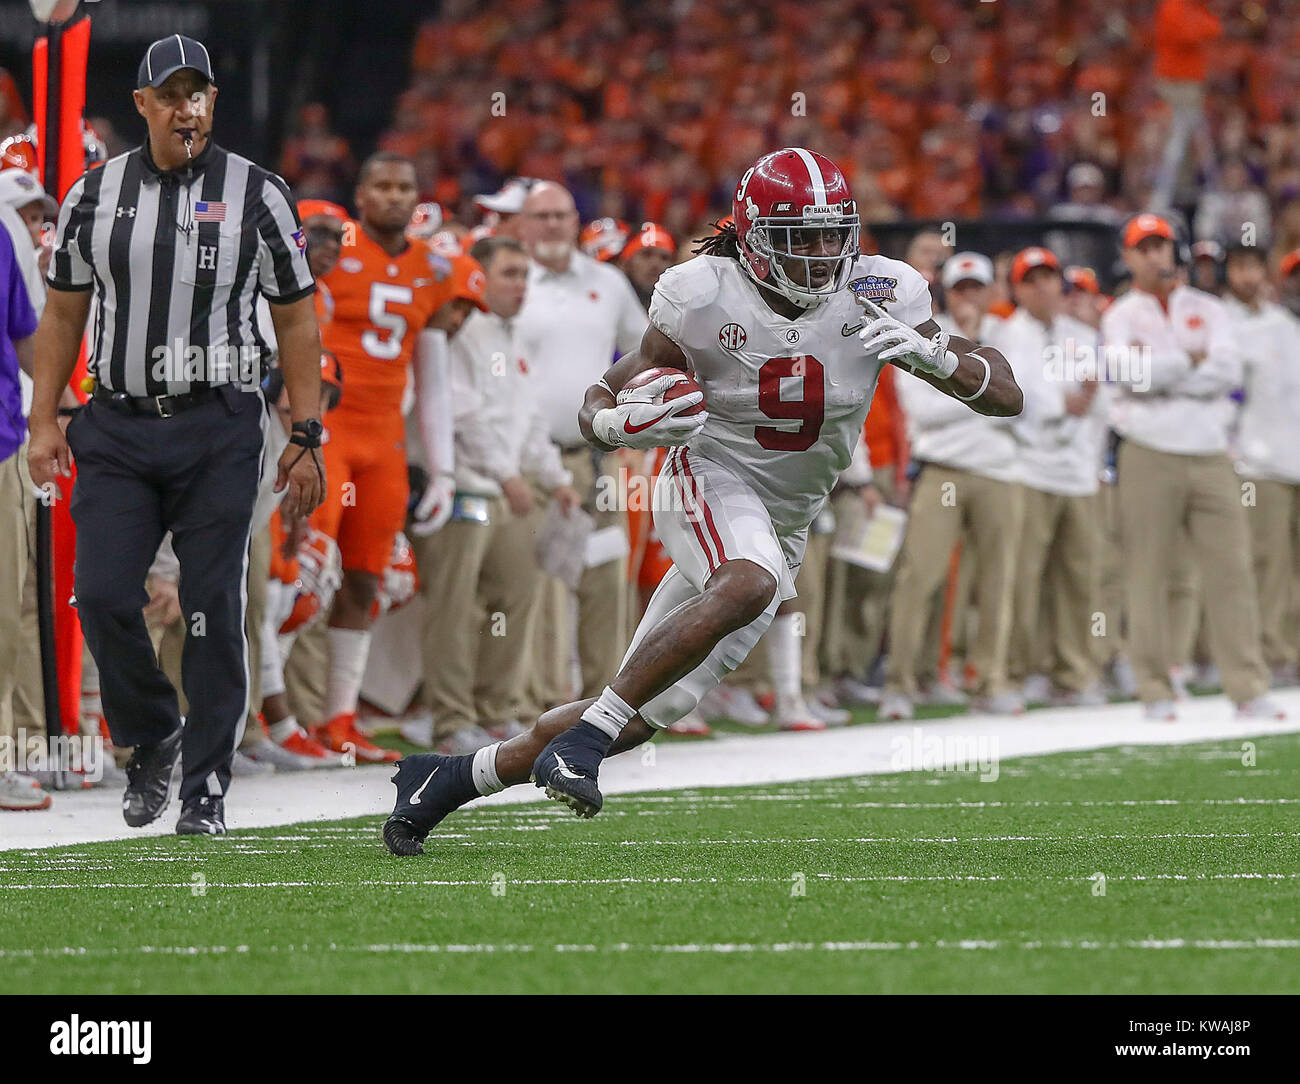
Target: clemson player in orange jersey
323, 224
396, 303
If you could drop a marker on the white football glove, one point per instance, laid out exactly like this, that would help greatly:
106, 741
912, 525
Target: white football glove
638, 421
893, 340
434, 508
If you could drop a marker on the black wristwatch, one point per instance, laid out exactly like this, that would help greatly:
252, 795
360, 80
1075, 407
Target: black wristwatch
307, 433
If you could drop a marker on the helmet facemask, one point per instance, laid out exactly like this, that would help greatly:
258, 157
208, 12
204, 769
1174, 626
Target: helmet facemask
823, 243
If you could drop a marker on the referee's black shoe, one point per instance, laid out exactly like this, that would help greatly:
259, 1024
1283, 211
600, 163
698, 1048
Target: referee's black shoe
202, 817
149, 778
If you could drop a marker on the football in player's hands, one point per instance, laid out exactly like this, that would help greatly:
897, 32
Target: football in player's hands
662, 384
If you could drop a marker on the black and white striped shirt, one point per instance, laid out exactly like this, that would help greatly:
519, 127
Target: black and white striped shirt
177, 260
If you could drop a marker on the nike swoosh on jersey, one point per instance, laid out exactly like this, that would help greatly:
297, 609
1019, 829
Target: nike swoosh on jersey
415, 798
628, 427
846, 331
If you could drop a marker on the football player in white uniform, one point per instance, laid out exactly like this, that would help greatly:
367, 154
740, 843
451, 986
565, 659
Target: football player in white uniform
785, 326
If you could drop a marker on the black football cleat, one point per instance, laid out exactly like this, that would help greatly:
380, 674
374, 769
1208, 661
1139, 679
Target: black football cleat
567, 768
429, 786
149, 780
202, 817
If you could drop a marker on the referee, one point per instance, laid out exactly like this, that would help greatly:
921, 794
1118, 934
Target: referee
176, 239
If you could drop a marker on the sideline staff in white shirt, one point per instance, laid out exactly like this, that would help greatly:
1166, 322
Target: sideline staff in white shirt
578, 314
1176, 358
1267, 446
478, 574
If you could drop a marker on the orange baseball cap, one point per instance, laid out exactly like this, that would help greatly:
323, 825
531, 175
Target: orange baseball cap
309, 207
1144, 226
1082, 278
1289, 262
650, 235
468, 280
1029, 258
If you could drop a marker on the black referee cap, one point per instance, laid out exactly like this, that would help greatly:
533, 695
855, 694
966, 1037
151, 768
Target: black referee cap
169, 55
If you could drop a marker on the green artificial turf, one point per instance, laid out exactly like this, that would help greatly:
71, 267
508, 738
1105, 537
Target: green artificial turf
909, 883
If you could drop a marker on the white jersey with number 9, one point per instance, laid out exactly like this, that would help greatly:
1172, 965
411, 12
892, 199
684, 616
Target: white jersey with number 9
786, 398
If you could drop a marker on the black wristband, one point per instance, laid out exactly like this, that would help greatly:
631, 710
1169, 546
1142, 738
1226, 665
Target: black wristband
306, 434
68, 411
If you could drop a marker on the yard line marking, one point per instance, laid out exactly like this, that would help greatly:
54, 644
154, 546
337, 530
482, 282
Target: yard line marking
405, 948
581, 881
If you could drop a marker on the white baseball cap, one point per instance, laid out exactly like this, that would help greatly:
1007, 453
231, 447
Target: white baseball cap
1085, 175
18, 188
509, 199
967, 265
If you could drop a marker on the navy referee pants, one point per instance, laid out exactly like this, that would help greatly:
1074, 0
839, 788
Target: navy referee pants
195, 474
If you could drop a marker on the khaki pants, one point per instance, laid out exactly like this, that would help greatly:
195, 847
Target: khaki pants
811, 602
857, 599
1184, 602
946, 505
481, 586
305, 671
1111, 590
1058, 570
1161, 497
15, 504
602, 603
810, 582
1274, 521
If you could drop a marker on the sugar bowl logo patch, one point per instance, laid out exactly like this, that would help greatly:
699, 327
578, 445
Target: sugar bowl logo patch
876, 288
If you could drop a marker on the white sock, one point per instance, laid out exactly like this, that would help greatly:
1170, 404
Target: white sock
785, 655
609, 713
285, 729
484, 769
348, 650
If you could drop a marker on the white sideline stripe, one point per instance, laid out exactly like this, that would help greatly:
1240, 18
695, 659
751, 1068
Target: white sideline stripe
79, 817
903, 878
967, 945
81, 865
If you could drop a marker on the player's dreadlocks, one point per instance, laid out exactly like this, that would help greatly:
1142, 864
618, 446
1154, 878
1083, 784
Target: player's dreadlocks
724, 242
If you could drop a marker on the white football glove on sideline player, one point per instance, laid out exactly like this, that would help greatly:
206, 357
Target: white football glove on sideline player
895, 341
637, 420
434, 508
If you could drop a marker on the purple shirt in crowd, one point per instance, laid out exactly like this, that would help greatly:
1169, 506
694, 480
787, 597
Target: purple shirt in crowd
17, 321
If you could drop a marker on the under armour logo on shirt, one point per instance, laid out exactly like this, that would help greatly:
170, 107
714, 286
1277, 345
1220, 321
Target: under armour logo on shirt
129, 212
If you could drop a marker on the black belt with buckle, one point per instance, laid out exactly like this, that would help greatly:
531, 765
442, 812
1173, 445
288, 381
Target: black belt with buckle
158, 406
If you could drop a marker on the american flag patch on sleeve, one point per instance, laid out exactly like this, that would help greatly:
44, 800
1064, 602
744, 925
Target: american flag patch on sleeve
209, 212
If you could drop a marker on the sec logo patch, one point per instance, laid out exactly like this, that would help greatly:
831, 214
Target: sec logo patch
732, 337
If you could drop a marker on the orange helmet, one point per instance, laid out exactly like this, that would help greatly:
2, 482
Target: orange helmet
19, 152
604, 238
320, 573
650, 235
426, 220
468, 280
400, 581
23, 152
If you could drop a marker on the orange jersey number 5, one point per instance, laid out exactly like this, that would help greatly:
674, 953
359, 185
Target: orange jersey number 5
389, 348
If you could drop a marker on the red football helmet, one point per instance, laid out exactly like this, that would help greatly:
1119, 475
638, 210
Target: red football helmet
793, 210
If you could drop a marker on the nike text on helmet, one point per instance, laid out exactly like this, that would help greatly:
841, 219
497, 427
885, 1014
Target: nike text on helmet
793, 209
